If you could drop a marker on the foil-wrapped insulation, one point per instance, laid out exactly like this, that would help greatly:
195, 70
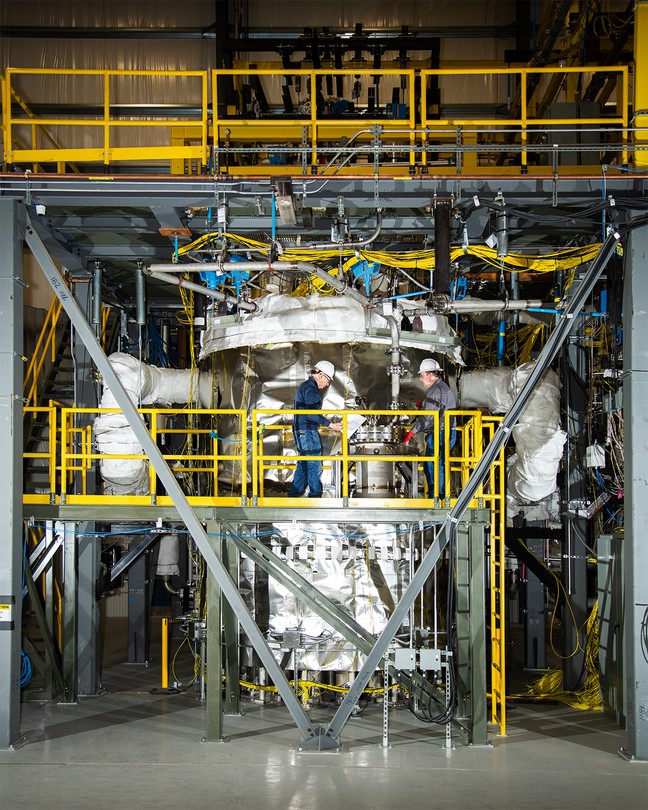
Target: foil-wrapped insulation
539, 439
263, 358
323, 319
168, 562
362, 568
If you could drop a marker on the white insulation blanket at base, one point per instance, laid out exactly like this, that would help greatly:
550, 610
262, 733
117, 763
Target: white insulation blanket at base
539, 439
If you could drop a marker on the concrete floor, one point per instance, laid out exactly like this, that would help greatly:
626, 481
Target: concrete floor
129, 748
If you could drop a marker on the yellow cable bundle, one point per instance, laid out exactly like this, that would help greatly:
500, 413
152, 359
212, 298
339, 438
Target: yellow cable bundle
588, 698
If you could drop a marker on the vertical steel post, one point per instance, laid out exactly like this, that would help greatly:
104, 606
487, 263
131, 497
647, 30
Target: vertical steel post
69, 621
231, 632
11, 438
214, 724
635, 557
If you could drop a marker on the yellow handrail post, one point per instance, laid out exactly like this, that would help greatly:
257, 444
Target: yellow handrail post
106, 122
165, 653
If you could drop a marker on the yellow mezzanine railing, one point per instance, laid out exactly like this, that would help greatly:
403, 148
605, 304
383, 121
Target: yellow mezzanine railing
459, 461
473, 135
102, 89
194, 446
202, 132
179, 433
318, 125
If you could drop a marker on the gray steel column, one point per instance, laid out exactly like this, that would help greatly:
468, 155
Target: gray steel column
69, 620
574, 547
139, 609
11, 442
471, 630
635, 417
86, 395
214, 702
231, 633
532, 591
88, 619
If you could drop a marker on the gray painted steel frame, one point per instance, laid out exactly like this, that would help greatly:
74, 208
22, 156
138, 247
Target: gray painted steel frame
169, 481
635, 548
11, 439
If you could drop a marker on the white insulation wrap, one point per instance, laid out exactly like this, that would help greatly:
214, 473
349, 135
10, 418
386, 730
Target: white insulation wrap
286, 319
538, 436
146, 385
168, 556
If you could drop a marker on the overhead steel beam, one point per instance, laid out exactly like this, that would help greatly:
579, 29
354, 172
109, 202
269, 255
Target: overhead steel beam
168, 480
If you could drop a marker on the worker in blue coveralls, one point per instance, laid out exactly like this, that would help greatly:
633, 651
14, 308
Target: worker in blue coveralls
305, 430
438, 397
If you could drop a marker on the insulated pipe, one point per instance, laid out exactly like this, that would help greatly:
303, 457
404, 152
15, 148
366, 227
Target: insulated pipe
395, 368
189, 285
140, 296
96, 295
161, 271
166, 584
337, 245
441, 305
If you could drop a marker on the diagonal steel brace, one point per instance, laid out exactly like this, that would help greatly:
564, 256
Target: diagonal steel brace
168, 479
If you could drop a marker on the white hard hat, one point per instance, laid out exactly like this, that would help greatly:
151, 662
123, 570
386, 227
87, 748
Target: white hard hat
326, 368
429, 364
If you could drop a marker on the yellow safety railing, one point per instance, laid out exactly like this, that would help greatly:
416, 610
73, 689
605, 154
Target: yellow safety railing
459, 461
203, 451
48, 454
315, 137
477, 134
105, 91
319, 125
45, 347
189, 460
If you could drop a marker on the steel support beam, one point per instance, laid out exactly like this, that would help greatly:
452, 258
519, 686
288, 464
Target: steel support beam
11, 441
635, 548
471, 631
214, 700
168, 480
575, 543
69, 621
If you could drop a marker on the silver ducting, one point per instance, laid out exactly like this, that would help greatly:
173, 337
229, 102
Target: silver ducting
538, 436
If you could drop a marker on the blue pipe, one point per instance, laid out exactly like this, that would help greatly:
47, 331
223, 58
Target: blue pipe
274, 217
501, 339
408, 295
560, 312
